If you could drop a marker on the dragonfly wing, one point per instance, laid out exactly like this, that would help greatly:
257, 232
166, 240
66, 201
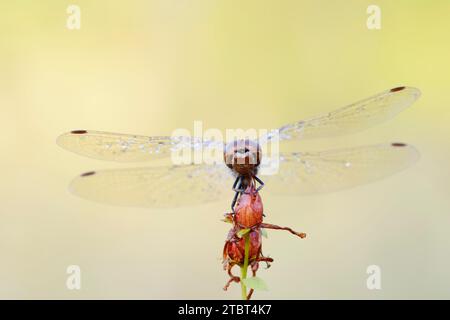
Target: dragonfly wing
127, 147
352, 118
334, 170
167, 186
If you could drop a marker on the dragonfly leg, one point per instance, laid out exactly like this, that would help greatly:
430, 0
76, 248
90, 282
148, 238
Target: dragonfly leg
236, 182
233, 203
237, 189
237, 185
261, 183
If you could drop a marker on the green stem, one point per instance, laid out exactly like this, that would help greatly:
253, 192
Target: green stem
245, 266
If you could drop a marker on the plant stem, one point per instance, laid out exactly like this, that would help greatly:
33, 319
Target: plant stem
245, 266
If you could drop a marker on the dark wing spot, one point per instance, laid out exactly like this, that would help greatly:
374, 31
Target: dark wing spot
397, 89
78, 131
87, 174
398, 144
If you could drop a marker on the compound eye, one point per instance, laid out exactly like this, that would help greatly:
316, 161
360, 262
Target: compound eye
241, 151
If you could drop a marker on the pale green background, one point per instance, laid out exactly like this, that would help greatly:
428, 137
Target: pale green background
148, 67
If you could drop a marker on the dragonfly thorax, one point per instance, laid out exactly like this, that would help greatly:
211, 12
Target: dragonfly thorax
243, 157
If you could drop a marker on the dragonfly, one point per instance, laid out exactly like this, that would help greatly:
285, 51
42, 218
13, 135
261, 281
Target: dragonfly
299, 173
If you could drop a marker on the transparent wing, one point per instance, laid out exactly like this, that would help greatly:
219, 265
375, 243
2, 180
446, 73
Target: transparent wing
352, 118
319, 172
156, 186
126, 147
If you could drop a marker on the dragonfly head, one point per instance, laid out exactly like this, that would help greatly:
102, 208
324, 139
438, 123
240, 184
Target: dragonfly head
243, 156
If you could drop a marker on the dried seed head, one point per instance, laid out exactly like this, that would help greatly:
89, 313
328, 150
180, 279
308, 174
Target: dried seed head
249, 209
234, 250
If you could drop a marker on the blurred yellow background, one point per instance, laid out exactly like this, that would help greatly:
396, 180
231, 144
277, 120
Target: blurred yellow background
148, 67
